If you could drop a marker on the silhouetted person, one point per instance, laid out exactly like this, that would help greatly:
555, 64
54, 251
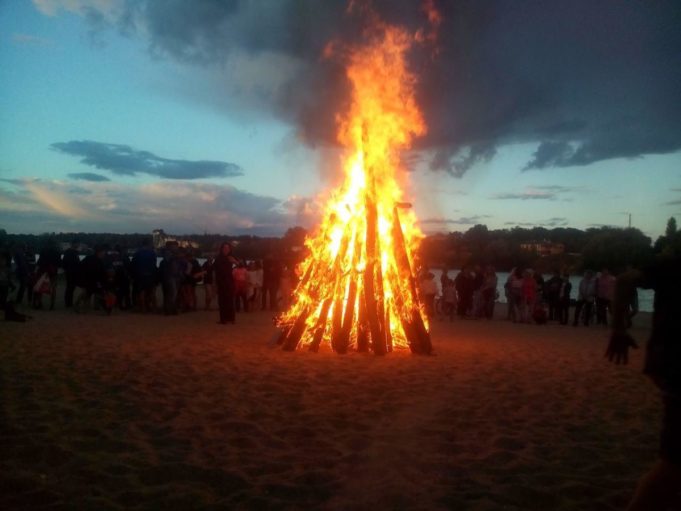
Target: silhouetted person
145, 277
585, 299
489, 292
464, 283
48, 264
70, 262
552, 295
564, 299
514, 289
255, 277
5, 277
529, 296
605, 289
120, 263
21, 271
31, 258
208, 280
224, 282
659, 488
444, 278
240, 274
478, 281
171, 275
271, 277
90, 277
192, 278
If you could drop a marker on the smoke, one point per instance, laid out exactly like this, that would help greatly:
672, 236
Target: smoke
584, 81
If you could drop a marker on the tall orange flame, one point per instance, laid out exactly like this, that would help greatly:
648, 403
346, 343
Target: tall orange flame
358, 287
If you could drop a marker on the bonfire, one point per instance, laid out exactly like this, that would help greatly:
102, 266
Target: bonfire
358, 286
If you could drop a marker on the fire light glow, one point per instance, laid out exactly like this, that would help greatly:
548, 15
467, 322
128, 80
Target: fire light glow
358, 287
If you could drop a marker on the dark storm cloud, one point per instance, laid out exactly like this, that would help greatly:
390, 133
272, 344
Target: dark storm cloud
88, 176
438, 221
124, 160
464, 220
540, 192
471, 220
585, 81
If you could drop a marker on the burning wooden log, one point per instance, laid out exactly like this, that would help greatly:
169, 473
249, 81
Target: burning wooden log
358, 287
420, 340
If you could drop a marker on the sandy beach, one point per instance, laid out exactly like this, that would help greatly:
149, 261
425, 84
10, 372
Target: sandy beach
150, 412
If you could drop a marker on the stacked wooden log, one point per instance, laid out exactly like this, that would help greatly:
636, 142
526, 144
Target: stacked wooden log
351, 303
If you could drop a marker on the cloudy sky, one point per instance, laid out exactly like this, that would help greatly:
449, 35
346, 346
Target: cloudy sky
219, 116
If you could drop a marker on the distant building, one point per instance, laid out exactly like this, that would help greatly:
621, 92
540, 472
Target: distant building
543, 248
80, 247
160, 238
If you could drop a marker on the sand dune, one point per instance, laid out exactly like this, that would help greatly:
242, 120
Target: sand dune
149, 412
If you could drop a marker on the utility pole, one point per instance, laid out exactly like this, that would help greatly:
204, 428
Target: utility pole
629, 215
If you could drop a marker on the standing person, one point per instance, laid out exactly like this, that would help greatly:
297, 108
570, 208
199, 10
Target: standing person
659, 488
70, 261
287, 286
449, 299
507, 294
428, 290
196, 274
529, 295
91, 275
21, 271
171, 275
605, 290
564, 299
552, 295
144, 277
271, 277
585, 299
255, 280
489, 292
464, 290
5, 277
240, 274
120, 264
208, 279
31, 267
515, 286
478, 281
224, 282
48, 264
444, 278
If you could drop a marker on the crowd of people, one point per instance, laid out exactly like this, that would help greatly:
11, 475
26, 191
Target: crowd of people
108, 279
473, 293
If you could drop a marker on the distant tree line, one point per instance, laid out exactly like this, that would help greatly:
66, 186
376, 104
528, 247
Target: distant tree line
248, 247
595, 248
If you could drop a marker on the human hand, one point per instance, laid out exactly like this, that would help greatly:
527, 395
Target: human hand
618, 347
